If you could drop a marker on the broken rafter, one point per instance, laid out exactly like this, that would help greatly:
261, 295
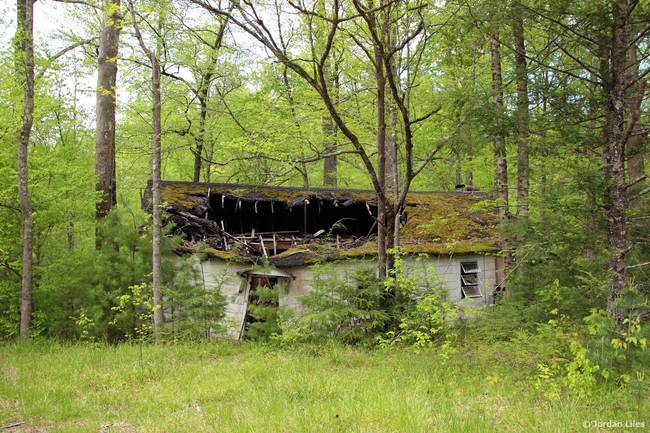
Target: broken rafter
263, 247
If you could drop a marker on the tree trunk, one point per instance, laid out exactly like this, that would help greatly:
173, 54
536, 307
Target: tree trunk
636, 144
522, 116
383, 222
615, 194
25, 45
200, 139
157, 223
330, 163
457, 150
392, 165
501, 164
391, 239
391, 159
105, 109
469, 175
203, 96
154, 56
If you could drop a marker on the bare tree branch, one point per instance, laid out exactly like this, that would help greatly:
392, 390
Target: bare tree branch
51, 59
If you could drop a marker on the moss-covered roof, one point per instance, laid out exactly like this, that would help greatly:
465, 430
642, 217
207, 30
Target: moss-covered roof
436, 222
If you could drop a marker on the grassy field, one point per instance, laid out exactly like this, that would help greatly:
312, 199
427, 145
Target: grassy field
245, 388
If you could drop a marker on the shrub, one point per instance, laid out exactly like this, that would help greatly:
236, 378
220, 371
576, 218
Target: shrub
191, 310
620, 353
264, 312
429, 321
358, 308
348, 308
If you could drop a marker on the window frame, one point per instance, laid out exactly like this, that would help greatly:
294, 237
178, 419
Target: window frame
470, 281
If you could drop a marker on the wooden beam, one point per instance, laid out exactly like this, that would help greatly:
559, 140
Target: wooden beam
263, 247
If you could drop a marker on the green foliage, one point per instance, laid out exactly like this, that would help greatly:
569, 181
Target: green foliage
576, 375
357, 308
571, 357
9, 310
263, 312
80, 291
84, 324
423, 315
580, 371
261, 118
621, 353
134, 311
429, 322
192, 311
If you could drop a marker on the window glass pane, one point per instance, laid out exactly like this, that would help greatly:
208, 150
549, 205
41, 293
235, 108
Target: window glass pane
469, 279
471, 292
469, 267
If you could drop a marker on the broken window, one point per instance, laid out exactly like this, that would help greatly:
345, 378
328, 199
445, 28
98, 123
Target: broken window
469, 280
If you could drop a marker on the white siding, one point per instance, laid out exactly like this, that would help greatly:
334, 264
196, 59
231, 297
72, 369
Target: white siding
447, 268
223, 276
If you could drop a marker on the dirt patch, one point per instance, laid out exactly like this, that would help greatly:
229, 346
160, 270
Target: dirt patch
119, 427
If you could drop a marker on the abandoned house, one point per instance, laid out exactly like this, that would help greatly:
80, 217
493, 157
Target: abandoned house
291, 230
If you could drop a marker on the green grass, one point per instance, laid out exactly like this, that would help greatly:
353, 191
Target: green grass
247, 388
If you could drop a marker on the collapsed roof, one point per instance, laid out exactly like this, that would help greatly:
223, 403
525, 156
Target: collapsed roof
296, 226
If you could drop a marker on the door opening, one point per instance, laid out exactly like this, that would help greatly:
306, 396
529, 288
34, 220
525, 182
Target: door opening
261, 319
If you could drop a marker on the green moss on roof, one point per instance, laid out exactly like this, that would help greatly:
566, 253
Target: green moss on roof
447, 218
230, 256
467, 246
324, 248
303, 255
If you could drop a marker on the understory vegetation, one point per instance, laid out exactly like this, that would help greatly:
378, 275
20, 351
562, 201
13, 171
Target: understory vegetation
489, 386
573, 344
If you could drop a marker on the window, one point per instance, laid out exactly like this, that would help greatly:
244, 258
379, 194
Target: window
469, 281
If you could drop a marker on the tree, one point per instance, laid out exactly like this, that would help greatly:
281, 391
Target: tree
105, 107
203, 93
615, 84
500, 161
153, 56
521, 114
595, 42
25, 54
